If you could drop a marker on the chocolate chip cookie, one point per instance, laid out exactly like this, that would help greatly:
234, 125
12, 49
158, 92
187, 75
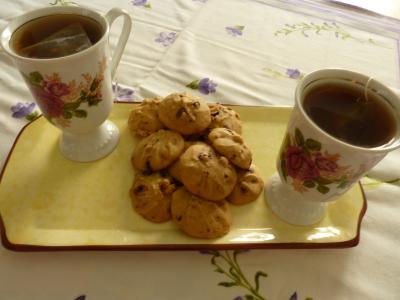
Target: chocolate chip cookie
157, 151
248, 187
151, 196
184, 113
230, 144
198, 217
143, 118
225, 117
205, 173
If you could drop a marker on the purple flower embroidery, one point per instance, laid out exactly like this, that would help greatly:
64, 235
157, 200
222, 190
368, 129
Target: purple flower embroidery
238, 298
294, 296
122, 94
21, 110
293, 73
141, 3
166, 38
205, 86
235, 30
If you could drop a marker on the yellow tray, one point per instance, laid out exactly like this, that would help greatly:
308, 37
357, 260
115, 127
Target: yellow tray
50, 203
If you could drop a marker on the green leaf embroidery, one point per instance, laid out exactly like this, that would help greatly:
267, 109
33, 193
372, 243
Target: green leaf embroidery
32, 116
332, 27
299, 137
257, 279
148, 5
234, 273
240, 27
322, 189
313, 145
193, 85
63, 3
227, 284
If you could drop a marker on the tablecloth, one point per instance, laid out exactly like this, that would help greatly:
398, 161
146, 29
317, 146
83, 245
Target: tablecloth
249, 52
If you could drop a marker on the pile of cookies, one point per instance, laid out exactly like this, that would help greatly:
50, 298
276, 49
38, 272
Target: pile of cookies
190, 162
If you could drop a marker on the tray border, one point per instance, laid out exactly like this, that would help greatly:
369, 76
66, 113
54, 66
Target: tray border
171, 247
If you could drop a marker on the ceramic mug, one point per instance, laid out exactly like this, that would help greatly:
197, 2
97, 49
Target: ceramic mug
315, 167
74, 92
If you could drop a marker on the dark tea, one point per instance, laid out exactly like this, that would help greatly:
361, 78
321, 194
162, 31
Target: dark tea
348, 114
55, 36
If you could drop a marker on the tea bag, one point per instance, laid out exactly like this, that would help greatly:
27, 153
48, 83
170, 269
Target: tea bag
67, 41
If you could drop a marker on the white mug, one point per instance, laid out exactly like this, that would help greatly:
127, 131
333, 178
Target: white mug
74, 92
315, 167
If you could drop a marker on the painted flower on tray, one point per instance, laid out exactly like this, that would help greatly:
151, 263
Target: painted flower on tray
236, 30
61, 101
166, 38
205, 86
122, 94
143, 3
307, 167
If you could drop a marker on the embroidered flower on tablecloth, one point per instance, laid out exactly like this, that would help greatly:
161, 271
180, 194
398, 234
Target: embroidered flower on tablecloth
122, 94
24, 110
205, 86
293, 73
236, 30
143, 3
166, 38
289, 73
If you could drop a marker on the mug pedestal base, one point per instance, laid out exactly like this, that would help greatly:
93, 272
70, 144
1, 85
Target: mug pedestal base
92, 145
287, 204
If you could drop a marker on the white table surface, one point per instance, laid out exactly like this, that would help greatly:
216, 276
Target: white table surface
250, 68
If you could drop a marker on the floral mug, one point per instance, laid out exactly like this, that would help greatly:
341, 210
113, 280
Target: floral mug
74, 92
313, 166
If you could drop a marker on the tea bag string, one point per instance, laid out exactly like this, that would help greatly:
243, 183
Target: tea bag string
366, 88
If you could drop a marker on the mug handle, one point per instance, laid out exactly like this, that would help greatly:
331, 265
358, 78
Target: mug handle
126, 30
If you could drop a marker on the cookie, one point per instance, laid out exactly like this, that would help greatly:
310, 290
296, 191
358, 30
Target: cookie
151, 196
231, 145
157, 151
184, 113
225, 117
248, 187
200, 218
205, 173
143, 118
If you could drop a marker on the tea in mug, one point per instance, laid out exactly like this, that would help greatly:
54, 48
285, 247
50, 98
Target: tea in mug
351, 114
55, 36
